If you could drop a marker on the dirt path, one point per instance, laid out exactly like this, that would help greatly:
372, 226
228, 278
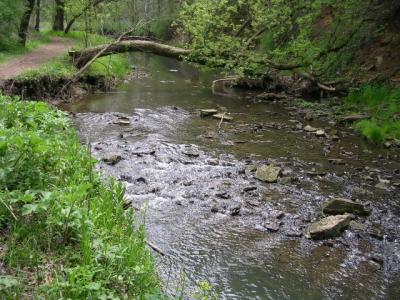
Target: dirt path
34, 59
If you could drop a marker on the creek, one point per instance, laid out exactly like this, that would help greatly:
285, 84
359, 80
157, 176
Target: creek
207, 212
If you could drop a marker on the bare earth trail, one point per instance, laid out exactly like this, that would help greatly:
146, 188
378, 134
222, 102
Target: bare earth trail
34, 59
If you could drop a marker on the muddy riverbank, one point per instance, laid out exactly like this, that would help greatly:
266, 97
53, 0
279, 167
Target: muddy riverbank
210, 215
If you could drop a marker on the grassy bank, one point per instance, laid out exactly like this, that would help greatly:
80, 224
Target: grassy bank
64, 233
382, 104
114, 66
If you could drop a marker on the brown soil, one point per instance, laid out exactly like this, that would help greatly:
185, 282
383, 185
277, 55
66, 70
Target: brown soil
380, 59
34, 59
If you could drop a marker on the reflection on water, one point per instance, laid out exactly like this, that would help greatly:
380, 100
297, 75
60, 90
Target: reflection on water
235, 254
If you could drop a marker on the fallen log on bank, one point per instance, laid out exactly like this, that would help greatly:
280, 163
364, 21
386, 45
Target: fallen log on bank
82, 57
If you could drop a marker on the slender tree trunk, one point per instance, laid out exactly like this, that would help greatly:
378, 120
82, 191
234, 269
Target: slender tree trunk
146, 16
159, 7
37, 22
71, 22
26, 17
58, 24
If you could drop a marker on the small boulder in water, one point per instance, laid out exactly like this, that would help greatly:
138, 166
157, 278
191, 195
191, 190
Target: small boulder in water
336, 161
309, 128
235, 210
268, 173
272, 226
214, 209
112, 160
340, 206
208, 112
191, 153
357, 226
123, 121
328, 227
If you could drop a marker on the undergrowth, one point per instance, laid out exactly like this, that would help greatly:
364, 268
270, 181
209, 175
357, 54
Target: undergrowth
382, 103
10, 48
64, 233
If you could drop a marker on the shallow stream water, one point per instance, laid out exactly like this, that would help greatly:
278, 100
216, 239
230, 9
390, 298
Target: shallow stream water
207, 212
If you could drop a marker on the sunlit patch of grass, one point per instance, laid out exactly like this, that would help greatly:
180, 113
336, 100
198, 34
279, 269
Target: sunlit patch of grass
111, 66
59, 67
383, 104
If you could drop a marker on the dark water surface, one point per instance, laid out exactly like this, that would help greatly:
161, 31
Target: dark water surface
193, 177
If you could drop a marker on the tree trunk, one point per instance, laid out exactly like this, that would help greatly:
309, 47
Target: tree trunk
146, 16
37, 22
71, 22
24, 25
58, 24
80, 58
77, 16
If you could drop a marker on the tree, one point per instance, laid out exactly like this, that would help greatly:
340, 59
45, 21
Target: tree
26, 17
37, 21
58, 24
10, 17
89, 5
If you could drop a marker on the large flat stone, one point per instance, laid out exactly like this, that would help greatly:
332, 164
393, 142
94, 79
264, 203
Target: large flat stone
339, 206
268, 173
328, 227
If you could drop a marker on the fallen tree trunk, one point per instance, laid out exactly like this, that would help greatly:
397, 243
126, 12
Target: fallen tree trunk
82, 57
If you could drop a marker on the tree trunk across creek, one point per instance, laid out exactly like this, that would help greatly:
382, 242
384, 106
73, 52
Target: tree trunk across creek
80, 58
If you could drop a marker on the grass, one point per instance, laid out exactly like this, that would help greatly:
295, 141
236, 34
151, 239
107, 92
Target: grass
59, 67
11, 48
80, 37
383, 104
113, 66
116, 66
64, 231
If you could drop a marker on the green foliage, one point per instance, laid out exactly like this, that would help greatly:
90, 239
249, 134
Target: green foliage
205, 292
160, 27
383, 103
322, 35
10, 47
109, 66
373, 132
10, 287
66, 233
10, 13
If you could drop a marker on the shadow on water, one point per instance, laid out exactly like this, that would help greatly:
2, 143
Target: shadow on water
206, 210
